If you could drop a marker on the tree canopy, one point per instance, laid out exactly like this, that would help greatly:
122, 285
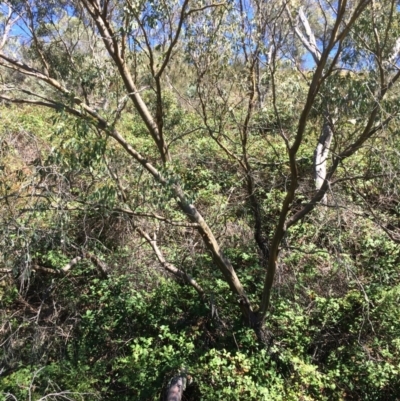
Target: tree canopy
243, 155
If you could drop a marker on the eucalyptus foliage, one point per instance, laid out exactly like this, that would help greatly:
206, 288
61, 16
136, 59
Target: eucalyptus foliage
198, 187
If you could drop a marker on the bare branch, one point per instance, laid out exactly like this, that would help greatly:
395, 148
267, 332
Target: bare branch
101, 266
309, 43
157, 217
8, 24
169, 266
205, 7
313, 91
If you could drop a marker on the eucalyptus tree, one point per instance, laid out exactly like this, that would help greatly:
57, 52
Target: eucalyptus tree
255, 68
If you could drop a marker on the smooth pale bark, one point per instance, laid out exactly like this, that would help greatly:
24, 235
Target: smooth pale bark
321, 154
8, 23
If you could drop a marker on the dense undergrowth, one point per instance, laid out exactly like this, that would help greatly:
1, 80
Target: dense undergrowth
107, 339
334, 323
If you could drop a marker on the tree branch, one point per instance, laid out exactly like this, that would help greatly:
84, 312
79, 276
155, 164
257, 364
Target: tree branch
169, 266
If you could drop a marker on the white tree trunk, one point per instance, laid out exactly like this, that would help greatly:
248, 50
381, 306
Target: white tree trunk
321, 154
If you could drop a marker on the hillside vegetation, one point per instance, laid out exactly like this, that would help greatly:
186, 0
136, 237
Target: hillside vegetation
205, 191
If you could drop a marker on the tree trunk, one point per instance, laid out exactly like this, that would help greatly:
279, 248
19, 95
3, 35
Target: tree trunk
321, 154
